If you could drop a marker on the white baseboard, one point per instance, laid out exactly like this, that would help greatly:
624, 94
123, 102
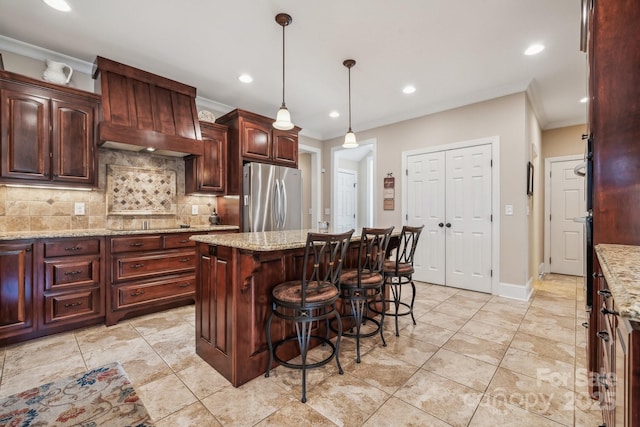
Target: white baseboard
541, 270
518, 292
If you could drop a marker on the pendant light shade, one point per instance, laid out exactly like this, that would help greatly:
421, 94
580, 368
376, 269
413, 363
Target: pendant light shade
283, 118
350, 138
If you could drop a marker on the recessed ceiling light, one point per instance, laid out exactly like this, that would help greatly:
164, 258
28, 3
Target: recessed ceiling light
534, 49
584, 100
245, 78
334, 114
60, 5
409, 89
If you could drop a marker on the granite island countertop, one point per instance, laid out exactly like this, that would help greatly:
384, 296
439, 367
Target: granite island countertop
267, 240
48, 234
621, 268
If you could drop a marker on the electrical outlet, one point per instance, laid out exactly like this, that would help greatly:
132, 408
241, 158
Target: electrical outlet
508, 209
78, 208
194, 209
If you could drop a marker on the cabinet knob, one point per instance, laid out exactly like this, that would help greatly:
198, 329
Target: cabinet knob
603, 335
441, 225
606, 293
448, 225
585, 325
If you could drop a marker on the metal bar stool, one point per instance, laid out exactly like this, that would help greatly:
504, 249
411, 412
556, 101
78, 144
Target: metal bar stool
398, 273
360, 286
311, 299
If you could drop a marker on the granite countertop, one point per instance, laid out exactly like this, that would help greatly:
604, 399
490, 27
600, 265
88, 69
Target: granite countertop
267, 240
47, 234
621, 268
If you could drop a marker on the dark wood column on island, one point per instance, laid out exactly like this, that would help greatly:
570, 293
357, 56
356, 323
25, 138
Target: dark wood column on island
235, 276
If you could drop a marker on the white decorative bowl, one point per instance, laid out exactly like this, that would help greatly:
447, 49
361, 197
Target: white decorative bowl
206, 116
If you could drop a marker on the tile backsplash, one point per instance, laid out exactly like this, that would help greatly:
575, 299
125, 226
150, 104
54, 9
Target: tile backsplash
35, 209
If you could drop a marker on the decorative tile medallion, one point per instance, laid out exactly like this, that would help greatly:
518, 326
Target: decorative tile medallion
140, 191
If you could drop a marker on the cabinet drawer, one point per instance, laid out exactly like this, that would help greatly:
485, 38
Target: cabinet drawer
136, 243
129, 267
144, 292
178, 241
71, 247
71, 272
62, 306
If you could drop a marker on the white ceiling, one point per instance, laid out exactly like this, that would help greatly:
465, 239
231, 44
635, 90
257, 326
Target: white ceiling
455, 52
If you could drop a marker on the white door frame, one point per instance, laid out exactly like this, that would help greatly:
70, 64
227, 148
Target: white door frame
316, 181
547, 205
495, 190
334, 174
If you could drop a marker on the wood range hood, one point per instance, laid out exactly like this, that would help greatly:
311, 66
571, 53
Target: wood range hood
142, 111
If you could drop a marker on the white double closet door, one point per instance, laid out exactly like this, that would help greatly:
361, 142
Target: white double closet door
450, 193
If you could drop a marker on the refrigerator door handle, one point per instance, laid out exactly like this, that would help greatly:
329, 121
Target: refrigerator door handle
283, 204
275, 204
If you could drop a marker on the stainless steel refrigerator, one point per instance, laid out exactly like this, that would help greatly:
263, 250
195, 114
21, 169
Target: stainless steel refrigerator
272, 197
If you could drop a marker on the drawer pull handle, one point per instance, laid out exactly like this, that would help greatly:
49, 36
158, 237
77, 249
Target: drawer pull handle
74, 248
137, 293
184, 285
139, 265
73, 304
606, 293
185, 259
601, 380
137, 244
605, 310
72, 273
184, 241
585, 325
603, 335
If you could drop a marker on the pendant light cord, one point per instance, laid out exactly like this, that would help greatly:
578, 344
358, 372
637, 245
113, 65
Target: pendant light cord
283, 105
349, 99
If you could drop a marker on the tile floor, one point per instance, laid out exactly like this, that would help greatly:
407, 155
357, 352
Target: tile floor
471, 360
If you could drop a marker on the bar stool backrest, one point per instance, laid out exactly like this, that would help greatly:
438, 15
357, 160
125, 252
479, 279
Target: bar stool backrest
407, 245
323, 258
373, 249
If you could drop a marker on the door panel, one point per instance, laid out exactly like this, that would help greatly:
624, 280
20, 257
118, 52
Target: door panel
346, 209
567, 202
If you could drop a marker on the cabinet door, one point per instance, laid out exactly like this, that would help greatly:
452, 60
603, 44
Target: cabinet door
285, 148
73, 141
24, 129
207, 173
16, 289
255, 140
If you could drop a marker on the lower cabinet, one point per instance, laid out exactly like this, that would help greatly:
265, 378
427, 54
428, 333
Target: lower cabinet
17, 311
149, 273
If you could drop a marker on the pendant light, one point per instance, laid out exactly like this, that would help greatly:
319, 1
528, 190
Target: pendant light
350, 137
283, 118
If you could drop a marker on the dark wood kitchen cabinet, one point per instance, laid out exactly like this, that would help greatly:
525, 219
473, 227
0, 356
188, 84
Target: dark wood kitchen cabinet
17, 311
207, 173
73, 283
47, 133
252, 138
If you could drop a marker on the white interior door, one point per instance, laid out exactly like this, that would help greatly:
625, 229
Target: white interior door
346, 201
567, 202
450, 193
468, 226
425, 198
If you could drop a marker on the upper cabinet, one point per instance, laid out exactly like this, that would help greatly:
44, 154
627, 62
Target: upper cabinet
143, 110
207, 173
47, 132
252, 138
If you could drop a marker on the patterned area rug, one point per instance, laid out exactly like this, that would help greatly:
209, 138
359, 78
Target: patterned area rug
100, 397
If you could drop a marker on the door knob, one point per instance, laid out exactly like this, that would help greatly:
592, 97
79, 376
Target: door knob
441, 225
448, 225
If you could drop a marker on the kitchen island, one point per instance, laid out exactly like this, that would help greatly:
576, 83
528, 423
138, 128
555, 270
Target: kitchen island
235, 276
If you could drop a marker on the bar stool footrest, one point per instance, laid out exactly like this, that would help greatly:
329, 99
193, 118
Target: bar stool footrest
391, 304
346, 328
323, 340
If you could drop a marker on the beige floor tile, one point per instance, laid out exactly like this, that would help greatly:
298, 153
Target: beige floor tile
176, 345
346, 400
434, 292
488, 332
554, 403
202, 379
383, 371
461, 369
157, 322
503, 320
249, 403
440, 397
543, 315
557, 350
543, 369
516, 309
290, 379
294, 415
545, 330
497, 412
476, 348
395, 412
443, 320
165, 396
102, 337
194, 415
466, 299
473, 295
409, 350
428, 333
464, 311
41, 351
587, 411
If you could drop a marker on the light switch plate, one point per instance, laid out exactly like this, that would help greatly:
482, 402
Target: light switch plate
508, 209
78, 208
194, 209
